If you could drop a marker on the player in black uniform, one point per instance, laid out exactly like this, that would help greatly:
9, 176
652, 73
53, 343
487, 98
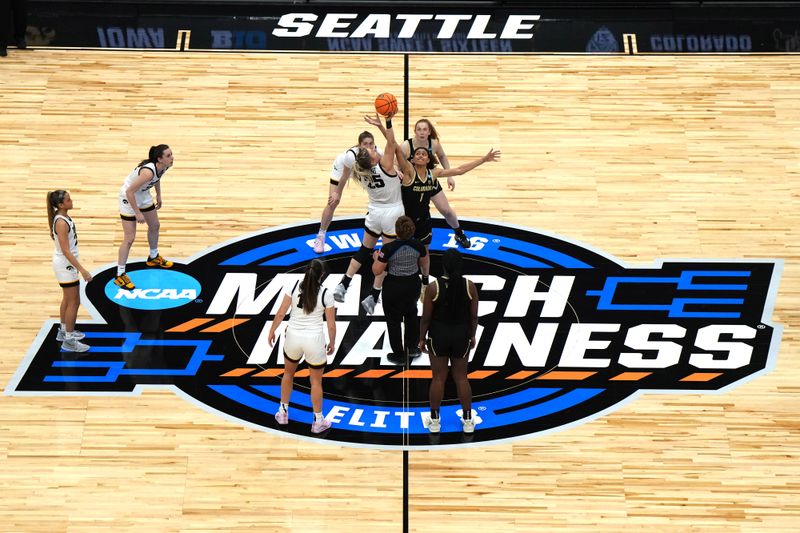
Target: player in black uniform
449, 321
421, 186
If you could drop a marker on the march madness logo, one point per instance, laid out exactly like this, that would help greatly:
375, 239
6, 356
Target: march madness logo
566, 334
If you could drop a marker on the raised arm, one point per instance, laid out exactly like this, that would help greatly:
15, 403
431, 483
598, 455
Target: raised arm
492, 155
387, 159
405, 166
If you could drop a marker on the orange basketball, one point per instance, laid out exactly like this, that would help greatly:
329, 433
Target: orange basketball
386, 104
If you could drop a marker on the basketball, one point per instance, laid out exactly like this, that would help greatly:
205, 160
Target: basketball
386, 104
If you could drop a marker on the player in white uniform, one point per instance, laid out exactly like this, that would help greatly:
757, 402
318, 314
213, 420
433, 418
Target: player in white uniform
340, 173
67, 268
136, 206
376, 173
309, 302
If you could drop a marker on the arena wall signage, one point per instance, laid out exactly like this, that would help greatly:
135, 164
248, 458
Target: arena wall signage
566, 334
407, 29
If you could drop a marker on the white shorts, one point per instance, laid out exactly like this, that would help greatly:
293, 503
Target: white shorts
381, 220
144, 200
66, 274
312, 346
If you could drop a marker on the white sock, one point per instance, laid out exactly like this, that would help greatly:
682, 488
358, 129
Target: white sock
318, 417
284, 407
62, 327
153, 252
120, 270
68, 335
321, 234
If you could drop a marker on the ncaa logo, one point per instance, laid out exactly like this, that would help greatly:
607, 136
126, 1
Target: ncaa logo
566, 334
155, 289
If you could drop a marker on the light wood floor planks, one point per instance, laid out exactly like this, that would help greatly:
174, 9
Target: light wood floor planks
641, 157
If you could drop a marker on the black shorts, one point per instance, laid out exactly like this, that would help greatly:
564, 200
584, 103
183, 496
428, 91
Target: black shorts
448, 340
424, 231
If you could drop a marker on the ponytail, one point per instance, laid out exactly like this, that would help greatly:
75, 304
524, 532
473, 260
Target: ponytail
456, 294
309, 287
362, 169
154, 154
53, 199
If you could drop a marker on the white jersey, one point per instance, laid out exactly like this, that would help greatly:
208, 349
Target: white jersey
384, 190
311, 323
346, 159
72, 238
142, 195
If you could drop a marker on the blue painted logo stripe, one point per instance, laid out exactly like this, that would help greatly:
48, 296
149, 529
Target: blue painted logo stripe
359, 417
511, 251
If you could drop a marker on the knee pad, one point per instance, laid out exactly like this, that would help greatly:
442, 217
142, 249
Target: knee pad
363, 255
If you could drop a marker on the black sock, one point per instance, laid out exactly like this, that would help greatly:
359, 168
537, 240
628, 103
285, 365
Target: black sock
346, 281
435, 414
467, 415
426, 279
459, 231
375, 293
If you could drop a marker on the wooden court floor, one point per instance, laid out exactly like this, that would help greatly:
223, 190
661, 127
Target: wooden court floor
642, 157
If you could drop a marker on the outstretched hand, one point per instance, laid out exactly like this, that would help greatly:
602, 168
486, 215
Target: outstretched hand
493, 155
375, 121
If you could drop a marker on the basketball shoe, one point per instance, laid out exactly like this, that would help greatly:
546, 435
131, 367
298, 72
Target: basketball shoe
368, 304
124, 282
73, 345
62, 335
158, 261
339, 292
319, 244
396, 358
463, 240
468, 425
320, 425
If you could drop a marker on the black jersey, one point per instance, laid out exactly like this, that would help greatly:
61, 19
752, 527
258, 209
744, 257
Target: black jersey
442, 313
417, 196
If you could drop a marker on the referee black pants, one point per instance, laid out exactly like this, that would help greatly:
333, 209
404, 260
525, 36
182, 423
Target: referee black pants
400, 295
